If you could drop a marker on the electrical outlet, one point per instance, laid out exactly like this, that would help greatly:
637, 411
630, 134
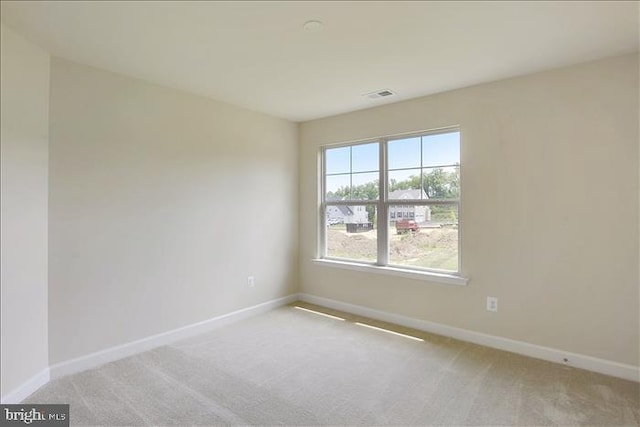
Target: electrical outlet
251, 281
492, 304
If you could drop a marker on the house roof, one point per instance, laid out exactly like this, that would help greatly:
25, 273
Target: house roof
344, 209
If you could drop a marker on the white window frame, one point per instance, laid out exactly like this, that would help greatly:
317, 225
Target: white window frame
383, 204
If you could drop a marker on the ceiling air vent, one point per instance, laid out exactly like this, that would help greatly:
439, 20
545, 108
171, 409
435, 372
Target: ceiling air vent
382, 93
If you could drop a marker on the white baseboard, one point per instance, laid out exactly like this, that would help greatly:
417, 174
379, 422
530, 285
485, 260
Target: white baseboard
93, 360
27, 388
603, 366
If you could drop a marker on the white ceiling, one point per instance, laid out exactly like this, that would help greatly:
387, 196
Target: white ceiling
257, 55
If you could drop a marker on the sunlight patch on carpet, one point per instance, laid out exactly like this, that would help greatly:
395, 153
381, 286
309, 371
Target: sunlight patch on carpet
320, 313
390, 332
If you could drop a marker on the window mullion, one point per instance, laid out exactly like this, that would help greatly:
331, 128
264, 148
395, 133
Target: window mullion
422, 190
383, 207
322, 241
350, 173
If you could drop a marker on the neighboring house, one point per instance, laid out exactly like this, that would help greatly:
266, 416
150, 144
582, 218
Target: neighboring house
417, 213
343, 214
347, 215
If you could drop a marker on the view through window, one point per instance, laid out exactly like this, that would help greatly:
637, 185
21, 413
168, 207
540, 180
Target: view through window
418, 201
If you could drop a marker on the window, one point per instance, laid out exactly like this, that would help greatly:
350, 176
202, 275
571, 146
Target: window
399, 198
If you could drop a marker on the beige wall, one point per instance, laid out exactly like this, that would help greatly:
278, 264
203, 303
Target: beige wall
549, 209
24, 149
161, 204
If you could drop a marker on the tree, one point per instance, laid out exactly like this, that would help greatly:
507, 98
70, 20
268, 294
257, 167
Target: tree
437, 183
413, 182
368, 191
442, 184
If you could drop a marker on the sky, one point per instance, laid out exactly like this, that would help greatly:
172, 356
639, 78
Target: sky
360, 162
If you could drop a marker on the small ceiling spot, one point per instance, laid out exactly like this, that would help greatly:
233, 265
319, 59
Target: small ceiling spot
313, 26
379, 94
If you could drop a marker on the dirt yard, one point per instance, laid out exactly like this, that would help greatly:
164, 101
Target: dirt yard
429, 247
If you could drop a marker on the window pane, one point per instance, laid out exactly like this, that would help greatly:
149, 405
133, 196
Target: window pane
338, 187
365, 186
442, 183
338, 160
404, 153
351, 232
441, 149
405, 184
429, 240
364, 158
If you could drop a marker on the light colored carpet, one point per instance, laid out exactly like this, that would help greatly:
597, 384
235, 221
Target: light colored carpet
294, 367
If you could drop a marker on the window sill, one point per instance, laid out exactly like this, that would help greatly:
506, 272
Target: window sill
430, 276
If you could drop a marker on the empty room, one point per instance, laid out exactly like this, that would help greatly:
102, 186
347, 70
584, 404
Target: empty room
320, 213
